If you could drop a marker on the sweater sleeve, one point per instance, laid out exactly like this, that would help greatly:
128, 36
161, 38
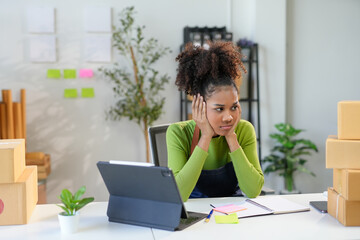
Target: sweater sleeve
246, 163
186, 170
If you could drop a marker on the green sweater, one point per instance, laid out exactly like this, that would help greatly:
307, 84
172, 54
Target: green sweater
187, 170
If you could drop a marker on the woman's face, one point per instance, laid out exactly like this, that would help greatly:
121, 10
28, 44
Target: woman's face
223, 109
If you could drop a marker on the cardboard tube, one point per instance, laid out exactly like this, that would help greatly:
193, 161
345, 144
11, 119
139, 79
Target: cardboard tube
17, 120
23, 111
3, 93
3, 121
9, 115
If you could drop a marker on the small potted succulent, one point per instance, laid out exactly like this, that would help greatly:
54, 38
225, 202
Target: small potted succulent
69, 218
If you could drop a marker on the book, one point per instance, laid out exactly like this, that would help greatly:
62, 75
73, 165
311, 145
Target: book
267, 205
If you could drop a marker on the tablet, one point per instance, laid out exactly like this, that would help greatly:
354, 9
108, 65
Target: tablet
319, 205
145, 195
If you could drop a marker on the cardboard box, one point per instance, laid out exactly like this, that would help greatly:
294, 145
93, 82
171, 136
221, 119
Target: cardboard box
19, 199
12, 159
347, 183
37, 161
345, 211
35, 155
342, 153
348, 120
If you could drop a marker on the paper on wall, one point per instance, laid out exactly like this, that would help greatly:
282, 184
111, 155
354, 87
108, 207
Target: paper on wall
42, 49
97, 19
40, 20
97, 48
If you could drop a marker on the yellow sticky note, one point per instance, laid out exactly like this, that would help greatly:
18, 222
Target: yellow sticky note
229, 219
70, 93
69, 73
53, 73
87, 93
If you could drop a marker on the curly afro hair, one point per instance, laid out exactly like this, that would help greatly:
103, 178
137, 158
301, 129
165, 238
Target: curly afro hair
201, 70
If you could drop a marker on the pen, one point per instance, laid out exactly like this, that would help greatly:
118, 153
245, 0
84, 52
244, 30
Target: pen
209, 216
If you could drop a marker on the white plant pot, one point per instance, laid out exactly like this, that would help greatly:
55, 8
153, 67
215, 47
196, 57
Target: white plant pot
69, 224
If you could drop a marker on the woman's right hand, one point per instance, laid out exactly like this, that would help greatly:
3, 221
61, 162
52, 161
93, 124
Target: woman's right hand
200, 117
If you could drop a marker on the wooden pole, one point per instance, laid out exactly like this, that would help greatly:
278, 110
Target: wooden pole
147, 144
23, 112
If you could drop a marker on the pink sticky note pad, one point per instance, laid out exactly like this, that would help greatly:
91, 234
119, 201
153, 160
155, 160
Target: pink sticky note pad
86, 73
229, 208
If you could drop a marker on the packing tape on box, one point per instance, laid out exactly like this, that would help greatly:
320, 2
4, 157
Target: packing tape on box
337, 204
337, 207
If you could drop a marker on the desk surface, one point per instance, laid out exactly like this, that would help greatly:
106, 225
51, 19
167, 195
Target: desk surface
94, 224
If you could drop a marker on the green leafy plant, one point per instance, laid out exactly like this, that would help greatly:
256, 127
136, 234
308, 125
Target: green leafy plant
137, 90
73, 203
287, 155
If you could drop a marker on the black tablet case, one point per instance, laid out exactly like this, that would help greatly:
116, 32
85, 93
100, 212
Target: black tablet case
141, 195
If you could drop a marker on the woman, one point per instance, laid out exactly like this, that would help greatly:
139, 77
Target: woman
225, 157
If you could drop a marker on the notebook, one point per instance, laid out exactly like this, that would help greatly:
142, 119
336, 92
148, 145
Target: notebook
267, 205
145, 195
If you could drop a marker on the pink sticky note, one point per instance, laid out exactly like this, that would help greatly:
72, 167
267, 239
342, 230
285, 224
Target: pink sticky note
86, 73
229, 208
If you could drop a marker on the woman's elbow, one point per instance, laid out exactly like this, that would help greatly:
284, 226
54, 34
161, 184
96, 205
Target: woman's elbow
253, 192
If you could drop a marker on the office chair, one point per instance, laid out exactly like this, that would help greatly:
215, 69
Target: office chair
157, 136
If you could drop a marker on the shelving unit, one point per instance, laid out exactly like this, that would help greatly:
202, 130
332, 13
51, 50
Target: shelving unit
249, 93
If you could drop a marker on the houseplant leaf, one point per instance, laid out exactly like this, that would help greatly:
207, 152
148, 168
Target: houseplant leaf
286, 155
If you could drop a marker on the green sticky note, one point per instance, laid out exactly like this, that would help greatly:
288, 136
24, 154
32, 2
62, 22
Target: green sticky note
69, 73
229, 219
70, 93
53, 73
87, 93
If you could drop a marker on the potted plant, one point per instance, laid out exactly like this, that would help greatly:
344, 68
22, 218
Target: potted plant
69, 218
136, 86
287, 155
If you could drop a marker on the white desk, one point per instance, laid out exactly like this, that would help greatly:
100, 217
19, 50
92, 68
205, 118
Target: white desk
94, 225
304, 225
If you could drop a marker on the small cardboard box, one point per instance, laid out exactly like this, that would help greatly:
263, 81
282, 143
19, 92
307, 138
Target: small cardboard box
347, 183
342, 153
19, 199
345, 211
348, 120
12, 159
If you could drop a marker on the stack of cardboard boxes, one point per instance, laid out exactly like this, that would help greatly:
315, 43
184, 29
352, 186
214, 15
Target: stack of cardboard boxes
18, 183
343, 155
13, 126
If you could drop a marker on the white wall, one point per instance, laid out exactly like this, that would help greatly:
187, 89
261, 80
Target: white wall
323, 58
75, 132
